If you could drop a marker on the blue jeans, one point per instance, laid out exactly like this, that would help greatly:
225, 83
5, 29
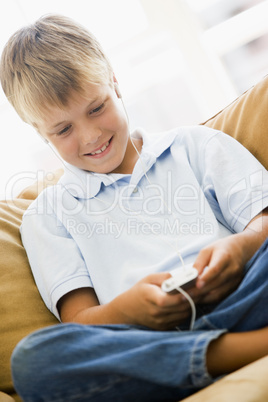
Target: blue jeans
73, 362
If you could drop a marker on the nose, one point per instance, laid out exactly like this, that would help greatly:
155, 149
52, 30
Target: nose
89, 135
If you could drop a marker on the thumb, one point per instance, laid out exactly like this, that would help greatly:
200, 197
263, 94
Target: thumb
157, 278
201, 262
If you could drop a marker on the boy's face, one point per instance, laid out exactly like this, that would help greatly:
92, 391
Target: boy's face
91, 133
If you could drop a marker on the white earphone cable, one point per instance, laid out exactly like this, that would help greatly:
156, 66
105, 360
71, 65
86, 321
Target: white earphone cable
183, 292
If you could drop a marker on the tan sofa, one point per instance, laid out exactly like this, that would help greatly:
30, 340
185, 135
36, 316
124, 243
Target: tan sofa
22, 310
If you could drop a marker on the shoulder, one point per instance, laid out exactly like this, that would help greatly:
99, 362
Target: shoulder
194, 135
43, 218
44, 203
188, 139
209, 142
184, 135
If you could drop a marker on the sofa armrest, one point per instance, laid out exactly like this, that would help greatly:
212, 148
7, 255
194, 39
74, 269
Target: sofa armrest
248, 384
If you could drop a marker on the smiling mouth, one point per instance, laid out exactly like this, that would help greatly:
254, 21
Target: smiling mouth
102, 149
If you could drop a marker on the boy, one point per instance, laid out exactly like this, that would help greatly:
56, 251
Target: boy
127, 211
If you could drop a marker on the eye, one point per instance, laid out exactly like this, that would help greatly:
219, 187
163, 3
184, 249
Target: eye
65, 130
97, 109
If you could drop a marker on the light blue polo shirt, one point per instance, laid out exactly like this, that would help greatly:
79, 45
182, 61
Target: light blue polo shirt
191, 186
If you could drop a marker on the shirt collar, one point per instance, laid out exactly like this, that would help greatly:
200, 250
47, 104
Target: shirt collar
83, 184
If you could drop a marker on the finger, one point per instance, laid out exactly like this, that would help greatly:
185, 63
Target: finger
203, 259
168, 302
157, 278
218, 263
219, 293
170, 321
180, 307
225, 279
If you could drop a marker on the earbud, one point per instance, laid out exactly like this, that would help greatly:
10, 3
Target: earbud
116, 87
117, 90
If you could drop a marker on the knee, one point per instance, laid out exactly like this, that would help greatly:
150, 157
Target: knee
29, 362
23, 367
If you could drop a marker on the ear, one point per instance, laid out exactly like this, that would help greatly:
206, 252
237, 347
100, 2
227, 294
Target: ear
116, 88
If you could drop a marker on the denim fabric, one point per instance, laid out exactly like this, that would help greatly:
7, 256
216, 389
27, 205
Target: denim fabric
72, 362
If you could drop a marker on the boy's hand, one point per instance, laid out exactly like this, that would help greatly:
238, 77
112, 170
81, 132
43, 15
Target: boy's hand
143, 304
147, 304
220, 268
225, 259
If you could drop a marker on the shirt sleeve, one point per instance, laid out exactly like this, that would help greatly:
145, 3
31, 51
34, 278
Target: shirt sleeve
56, 262
234, 181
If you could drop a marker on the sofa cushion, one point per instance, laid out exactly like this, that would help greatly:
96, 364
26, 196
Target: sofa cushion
249, 384
6, 398
22, 310
246, 119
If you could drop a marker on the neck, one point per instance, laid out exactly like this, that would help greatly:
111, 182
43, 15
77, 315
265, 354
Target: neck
132, 156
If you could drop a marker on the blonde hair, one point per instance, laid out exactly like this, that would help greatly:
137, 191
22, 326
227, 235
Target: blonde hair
43, 62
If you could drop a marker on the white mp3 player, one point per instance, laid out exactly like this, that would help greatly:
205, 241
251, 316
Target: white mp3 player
184, 277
